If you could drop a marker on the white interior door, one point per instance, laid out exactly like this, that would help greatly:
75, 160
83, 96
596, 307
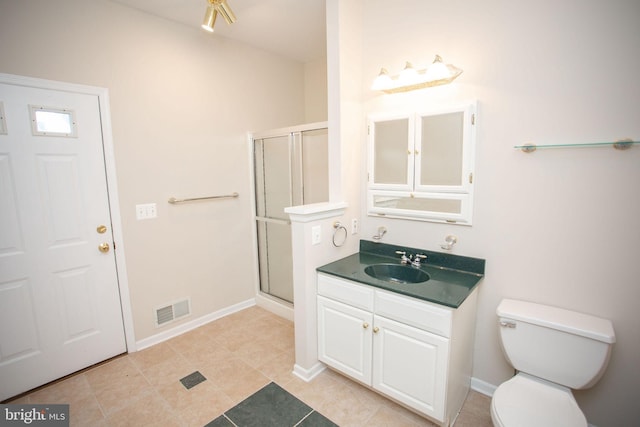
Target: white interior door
60, 306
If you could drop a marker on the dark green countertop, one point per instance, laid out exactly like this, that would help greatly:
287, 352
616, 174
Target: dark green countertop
452, 277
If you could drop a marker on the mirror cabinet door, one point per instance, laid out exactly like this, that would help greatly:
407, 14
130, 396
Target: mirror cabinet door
439, 156
391, 152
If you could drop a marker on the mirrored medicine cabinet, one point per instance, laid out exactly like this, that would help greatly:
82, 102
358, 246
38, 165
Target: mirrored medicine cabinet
420, 164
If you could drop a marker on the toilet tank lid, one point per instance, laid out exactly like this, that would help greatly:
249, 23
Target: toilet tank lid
557, 318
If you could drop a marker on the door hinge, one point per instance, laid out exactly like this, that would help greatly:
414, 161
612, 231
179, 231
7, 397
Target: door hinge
471, 178
368, 130
473, 119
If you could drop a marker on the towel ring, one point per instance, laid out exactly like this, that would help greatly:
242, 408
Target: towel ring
337, 227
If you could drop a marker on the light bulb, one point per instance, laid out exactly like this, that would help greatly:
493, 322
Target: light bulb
409, 75
437, 71
383, 81
209, 18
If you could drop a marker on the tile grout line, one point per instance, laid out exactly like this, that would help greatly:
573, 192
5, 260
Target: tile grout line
305, 417
229, 419
93, 393
156, 387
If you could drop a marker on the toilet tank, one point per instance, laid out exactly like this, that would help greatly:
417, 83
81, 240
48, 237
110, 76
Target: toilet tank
568, 348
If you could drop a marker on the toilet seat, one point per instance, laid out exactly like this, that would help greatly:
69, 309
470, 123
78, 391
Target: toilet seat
526, 401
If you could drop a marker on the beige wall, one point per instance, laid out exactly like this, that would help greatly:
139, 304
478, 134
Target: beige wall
559, 226
315, 91
181, 104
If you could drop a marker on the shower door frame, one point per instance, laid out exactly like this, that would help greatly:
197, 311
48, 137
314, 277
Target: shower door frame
275, 303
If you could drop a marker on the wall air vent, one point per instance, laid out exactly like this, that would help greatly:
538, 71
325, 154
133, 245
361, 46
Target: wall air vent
174, 311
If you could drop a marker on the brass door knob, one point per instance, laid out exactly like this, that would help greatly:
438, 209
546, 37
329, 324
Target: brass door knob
103, 247
365, 325
101, 229
376, 330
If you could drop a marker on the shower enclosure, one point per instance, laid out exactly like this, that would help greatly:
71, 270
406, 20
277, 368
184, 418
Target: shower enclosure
290, 169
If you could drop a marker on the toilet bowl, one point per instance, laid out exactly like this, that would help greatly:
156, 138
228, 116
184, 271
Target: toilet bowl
553, 351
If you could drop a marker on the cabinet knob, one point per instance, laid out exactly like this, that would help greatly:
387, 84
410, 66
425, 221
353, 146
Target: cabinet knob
376, 329
365, 325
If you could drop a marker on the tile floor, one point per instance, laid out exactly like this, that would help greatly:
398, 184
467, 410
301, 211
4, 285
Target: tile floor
272, 406
238, 355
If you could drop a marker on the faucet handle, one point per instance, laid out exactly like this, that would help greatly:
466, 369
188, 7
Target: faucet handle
417, 258
404, 259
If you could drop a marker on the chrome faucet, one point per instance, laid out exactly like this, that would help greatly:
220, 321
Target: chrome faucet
413, 260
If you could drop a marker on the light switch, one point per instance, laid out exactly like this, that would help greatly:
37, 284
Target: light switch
146, 211
355, 227
316, 233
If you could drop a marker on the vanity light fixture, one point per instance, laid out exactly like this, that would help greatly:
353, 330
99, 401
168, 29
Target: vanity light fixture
438, 73
215, 7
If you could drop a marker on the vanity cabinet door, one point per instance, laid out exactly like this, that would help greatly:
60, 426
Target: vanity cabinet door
410, 365
344, 338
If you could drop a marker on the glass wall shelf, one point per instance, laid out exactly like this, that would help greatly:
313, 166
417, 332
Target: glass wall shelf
618, 145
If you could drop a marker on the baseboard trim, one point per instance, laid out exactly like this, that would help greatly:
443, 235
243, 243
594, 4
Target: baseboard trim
195, 323
482, 387
308, 374
278, 308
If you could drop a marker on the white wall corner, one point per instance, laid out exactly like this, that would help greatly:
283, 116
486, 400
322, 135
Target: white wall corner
482, 387
308, 374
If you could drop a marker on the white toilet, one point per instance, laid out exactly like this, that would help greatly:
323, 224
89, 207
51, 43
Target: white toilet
553, 351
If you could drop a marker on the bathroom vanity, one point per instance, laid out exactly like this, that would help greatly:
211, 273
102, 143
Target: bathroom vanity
410, 340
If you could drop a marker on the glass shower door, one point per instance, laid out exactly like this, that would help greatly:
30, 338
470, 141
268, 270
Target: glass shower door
273, 194
290, 170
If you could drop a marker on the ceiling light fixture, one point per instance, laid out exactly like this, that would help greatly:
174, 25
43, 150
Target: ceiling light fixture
215, 7
438, 73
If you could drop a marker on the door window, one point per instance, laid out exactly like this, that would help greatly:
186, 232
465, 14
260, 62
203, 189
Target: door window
46, 121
